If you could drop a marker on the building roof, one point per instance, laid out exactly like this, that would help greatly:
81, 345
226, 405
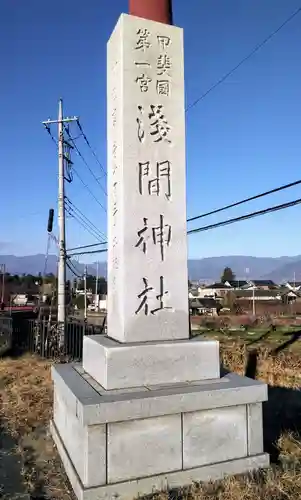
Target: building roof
218, 286
294, 283
237, 283
263, 282
203, 303
257, 293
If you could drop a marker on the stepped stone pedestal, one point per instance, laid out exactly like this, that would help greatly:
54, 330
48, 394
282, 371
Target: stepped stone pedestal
147, 409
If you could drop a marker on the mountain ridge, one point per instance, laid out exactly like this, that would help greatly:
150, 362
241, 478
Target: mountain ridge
209, 269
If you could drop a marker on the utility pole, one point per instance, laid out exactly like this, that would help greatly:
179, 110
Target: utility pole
96, 286
2, 267
294, 281
61, 314
254, 301
85, 292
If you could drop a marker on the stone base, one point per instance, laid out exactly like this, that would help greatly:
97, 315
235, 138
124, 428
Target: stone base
129, 490
118, 366
127, 443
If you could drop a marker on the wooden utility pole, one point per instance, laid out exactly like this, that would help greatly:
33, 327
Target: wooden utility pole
155, 10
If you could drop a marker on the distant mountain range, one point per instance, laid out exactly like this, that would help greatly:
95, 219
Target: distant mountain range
209, 269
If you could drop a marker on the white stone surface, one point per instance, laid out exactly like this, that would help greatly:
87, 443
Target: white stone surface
143, 448
128, 490
255, 428
146, 183
214, 436
86, 445
116, 366
94, 407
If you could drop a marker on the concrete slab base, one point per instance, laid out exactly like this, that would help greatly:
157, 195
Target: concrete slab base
128, 490
134, 441
118, 366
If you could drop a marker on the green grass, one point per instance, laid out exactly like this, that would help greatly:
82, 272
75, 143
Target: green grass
257, 337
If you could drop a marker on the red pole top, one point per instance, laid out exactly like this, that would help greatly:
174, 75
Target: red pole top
155, 10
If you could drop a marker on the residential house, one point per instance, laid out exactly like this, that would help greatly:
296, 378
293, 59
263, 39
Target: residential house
215, 291
237, 284
293, 285
209, 307
262, 284
21, 293
258, 295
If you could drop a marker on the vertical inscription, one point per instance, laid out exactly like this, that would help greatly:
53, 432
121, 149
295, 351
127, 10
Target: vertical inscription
153, 127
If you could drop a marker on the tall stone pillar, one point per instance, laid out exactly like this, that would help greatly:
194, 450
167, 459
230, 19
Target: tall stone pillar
147, 408
148, 317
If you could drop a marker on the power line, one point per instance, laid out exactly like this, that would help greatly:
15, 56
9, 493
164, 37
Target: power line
220, 224
82, 222
86, 246
74, 271
88, 221
49, 132
103, 250
84, 160
88, 189
260, 195
245, 217
246, 58
89, 145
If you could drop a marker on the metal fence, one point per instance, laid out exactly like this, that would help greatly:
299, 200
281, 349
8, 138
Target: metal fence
41, 336
6, 333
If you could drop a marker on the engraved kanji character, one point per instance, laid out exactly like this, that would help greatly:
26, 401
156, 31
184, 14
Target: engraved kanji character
162, 235
159, 124
114, 168
140, 63
144, 170
159, 184
114, 210
142, 237
114, 117
114, 150
163, 41
164, 173
160, 297
144, 297
143, 82
142, 40
163, 87
163, 64
140, 131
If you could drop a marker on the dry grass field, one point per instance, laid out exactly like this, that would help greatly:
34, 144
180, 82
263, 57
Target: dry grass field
30, 462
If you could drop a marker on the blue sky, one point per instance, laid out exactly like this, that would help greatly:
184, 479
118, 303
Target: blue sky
243, 138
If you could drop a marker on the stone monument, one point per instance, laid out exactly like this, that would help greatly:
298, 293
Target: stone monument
147, 409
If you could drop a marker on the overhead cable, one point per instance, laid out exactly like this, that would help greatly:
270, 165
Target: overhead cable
89, 145
271, 191
82, 222
245, 217
72, 268
102, 236
246, 58
103, 250
88, 189
84, 160
220, 224
86, 246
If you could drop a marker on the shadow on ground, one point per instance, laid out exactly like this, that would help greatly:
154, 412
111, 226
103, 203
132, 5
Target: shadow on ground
12, 486
282, 411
